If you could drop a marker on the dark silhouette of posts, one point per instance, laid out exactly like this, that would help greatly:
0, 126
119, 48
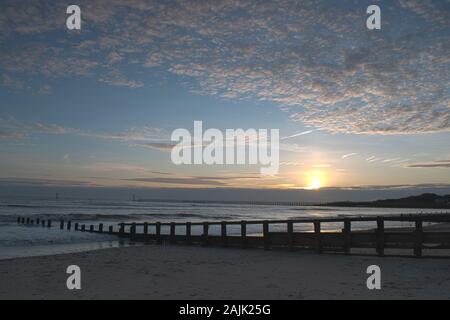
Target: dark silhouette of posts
122, 230
23, 220
380, 236
133, 231
76, 226
418, 235
83, 228
266, 235
223, 233
290, 231
111, 231
18, 220
188, 232
347, 233
69, 225
91, 228
318, 240
49, 223
61, 225
205, 233
244, 239
28, 220
158, 233
38, 221
146, 231
172, 232
100, 228
43, 223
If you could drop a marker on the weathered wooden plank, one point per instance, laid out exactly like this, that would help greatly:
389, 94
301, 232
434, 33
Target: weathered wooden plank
223, 233
172, 233
380, 236
290, 232
418, 239
347, 231
244, 234
318, 244
188, 232
266, 235
205, 233
159, 238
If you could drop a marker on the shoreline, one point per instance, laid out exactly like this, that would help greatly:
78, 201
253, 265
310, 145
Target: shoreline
199, 273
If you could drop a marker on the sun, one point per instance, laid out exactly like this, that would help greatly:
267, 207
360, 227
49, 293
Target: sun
315, 184
315, 180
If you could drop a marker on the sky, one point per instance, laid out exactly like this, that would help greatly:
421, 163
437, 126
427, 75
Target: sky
95, 107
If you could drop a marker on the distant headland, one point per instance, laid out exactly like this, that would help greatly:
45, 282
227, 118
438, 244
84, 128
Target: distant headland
424, 201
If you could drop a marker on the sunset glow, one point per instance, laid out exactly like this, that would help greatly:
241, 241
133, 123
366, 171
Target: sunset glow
315, 180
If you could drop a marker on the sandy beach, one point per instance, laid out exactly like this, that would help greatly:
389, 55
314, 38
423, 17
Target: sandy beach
181, 272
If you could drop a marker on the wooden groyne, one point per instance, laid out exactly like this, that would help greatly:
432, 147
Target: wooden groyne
380, 238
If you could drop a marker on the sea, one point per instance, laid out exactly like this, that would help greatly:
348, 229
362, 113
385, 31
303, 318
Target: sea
18, 241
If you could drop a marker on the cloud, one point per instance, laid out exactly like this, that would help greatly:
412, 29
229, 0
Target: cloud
348, 155
12, 83
313, 58
195, 180
297, 134
12, 129
45, 182
435, 164
166, 147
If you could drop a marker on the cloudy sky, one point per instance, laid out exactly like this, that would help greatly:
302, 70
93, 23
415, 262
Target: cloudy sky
96, 107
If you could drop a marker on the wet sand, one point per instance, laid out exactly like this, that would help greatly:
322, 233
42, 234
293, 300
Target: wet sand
182, 272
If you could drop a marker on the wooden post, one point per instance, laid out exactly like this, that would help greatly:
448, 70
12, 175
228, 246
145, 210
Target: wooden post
205, 233
111, 230
380, 236
188, 232
91, 228
347, 234
69, 225
418, 238
223, 233
290, 231
38, 221
76, 226
28, 220
23, 220
318, 245
158, 232
100, 228
266, 235
43, 223
18, 220
61, 225
244, 239
32, 221
133, 231
83, 228
145, 231
49, 223
121, 230
172, 232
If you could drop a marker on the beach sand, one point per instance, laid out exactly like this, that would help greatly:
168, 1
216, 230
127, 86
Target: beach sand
182, 272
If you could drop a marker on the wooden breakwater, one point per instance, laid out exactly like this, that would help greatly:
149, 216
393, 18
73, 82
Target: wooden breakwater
379, 238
